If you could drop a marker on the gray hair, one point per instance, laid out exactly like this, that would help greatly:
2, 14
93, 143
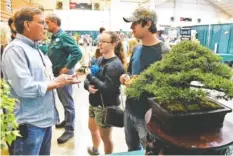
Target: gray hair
54, 18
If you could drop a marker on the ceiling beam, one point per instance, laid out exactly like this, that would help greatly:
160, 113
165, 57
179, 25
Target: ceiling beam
131, 1
212, 3
156, 2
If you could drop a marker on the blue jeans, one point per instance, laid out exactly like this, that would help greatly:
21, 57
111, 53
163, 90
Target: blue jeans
65, 96
135, 132
38, 142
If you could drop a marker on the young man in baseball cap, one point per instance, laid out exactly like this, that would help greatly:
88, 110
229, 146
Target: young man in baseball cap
143, 25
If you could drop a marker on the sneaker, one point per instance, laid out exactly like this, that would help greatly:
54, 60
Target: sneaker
65, 137
93, 151
61, 124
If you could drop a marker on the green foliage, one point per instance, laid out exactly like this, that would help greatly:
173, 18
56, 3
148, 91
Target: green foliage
169, 80
8, 121
132, 43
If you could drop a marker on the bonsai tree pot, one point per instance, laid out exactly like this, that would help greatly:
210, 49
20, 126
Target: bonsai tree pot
190, 121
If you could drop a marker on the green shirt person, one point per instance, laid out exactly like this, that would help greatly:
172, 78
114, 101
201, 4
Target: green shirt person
64, 53
44, 48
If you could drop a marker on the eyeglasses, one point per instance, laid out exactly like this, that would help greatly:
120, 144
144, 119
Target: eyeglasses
41, 22
101, 41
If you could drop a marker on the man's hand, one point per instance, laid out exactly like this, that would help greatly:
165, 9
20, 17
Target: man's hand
92, 89
124, 78
63, 71
63, 80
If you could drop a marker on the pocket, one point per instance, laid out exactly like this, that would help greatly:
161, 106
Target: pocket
23, 131
100, 115
91, 112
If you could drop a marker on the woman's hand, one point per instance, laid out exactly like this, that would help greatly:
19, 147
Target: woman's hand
92, 89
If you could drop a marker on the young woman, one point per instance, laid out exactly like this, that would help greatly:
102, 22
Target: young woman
104, 89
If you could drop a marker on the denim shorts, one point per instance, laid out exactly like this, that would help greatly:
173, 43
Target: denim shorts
97, 113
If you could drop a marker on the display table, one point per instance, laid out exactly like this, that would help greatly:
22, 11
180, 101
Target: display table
214, 141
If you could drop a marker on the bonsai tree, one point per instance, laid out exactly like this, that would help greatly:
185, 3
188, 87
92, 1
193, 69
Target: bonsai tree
8, 121
171, 79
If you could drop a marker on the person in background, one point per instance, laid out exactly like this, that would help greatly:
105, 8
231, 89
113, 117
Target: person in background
12, 27
29, 74
5, 36
104, 87
159, 35
151, 50
101, 30
64, 53
4, 41
95, 57
125, 43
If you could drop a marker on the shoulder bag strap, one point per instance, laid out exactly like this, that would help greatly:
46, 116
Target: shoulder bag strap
122, 100
102, 101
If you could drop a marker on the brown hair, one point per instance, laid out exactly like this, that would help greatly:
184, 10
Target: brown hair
97, 53
119, 50
101, 30
24, 14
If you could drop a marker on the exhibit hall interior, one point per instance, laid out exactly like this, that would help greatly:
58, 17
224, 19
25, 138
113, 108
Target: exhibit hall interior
116, 77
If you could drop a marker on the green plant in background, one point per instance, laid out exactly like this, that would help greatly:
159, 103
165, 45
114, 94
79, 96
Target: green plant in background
132, 43
76, 37
44, 43
8, 120
171, 79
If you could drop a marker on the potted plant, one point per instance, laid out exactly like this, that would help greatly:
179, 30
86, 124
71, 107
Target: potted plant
9, 125
180, 85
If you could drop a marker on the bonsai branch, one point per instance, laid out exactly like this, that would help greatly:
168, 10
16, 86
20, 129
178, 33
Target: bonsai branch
204, 87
